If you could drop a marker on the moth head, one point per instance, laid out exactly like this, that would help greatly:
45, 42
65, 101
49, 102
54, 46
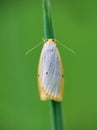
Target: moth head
51, 41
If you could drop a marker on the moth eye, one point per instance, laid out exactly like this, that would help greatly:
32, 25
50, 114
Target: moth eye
53, 40
46, 73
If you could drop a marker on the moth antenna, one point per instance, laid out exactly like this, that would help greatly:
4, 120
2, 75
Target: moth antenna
68, 48
33, 48
44, 40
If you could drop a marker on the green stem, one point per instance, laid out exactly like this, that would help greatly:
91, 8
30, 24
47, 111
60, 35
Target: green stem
56, 114
48, 25
56, 110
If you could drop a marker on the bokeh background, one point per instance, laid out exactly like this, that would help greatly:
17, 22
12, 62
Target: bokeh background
21, 28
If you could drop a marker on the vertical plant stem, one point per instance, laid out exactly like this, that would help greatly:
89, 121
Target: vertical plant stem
48, 25
56, 115
56, 110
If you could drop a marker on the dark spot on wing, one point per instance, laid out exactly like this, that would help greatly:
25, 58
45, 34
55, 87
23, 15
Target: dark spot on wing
62, 75
38, 75
46, 73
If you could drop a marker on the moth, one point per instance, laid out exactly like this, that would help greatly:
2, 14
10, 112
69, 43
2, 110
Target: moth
50, 71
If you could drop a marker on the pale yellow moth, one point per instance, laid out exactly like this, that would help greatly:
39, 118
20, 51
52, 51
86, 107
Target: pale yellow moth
50, 71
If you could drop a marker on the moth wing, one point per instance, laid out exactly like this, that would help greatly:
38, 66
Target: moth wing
43, 96
54, 84
50, 70
62, 77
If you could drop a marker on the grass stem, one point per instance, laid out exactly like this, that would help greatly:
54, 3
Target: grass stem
56, 107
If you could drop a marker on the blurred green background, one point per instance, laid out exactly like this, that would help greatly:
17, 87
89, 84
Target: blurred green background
21, 28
